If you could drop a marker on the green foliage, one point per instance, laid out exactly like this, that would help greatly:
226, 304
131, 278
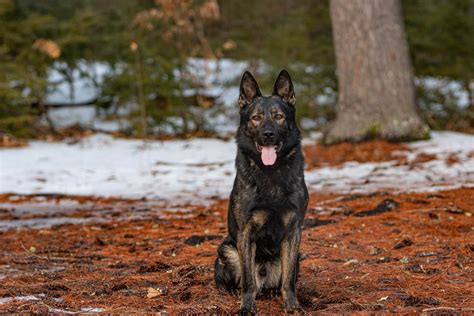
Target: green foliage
441, 109
441, 39
20, 125
271, 35
292, 35
22, 68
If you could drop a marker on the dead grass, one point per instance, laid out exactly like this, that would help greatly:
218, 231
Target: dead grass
350, 261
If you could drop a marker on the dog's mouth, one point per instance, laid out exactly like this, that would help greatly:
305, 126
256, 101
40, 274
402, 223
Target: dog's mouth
269, 153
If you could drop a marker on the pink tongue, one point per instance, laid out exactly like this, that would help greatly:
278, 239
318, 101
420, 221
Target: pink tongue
269, 155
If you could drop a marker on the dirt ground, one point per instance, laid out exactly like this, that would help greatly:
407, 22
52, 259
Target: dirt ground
383, 251
318, 155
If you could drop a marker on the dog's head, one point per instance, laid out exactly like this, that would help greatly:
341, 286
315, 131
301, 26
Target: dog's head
267, 128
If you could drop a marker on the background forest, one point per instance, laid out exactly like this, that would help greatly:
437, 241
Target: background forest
149, 64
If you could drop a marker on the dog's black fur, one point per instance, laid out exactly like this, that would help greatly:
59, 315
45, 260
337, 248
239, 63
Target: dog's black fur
268, 202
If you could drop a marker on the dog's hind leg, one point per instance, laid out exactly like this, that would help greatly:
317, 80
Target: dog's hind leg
227, 266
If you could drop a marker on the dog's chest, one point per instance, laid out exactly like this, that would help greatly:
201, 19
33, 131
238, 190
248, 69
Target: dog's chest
268, 238
274, 193
274, 187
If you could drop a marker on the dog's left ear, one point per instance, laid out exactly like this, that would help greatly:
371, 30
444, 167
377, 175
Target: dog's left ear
284, 88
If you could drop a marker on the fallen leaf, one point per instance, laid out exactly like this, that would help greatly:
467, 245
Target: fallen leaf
153, 292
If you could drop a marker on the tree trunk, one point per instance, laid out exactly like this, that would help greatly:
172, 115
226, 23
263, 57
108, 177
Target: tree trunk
376, 93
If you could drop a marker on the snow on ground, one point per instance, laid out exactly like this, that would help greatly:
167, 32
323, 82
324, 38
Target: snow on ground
216, 75
428, 176
197, 169
218, 79
104, 166
452, 88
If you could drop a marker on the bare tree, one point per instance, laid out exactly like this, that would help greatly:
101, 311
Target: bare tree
376, 94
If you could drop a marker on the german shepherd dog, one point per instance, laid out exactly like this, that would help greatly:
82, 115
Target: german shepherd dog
269, 198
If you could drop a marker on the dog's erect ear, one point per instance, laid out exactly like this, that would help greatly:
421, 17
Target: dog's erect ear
248, 89
284, 88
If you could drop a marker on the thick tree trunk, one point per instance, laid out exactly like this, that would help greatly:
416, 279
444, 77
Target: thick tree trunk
376, 93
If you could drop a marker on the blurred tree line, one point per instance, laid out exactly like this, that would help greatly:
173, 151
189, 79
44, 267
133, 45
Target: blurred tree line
146, 44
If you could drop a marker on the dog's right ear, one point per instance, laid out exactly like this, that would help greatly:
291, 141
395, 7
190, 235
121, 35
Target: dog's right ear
248, 90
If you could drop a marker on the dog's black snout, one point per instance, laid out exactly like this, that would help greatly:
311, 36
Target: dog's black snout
268, 134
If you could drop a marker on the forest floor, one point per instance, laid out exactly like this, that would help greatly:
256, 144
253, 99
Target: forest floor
387, 250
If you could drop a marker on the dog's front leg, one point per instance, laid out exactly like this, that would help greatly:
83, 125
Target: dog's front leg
289, 260
247, 247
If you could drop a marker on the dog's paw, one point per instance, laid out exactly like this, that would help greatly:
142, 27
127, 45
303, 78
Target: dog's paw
269, 294
274, 293
248, 309
292, 305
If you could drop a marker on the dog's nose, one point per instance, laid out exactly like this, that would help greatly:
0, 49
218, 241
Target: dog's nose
268, 134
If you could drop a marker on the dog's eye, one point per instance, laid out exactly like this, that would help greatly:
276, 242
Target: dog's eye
256, 118
278, 117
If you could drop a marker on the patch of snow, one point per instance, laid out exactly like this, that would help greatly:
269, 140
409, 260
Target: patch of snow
38, 214
446, 86
83, 86
83, 310
312, 138
104, 166
446, 142
218, 79
67, 116
86, 116
5, 300
198, 169
216, 71
309, 123
40, 223
431, 175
